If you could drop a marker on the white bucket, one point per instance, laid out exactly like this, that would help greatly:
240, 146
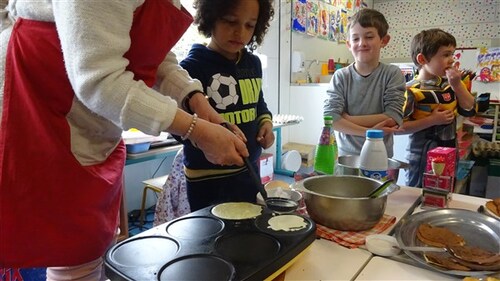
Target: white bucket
291, 161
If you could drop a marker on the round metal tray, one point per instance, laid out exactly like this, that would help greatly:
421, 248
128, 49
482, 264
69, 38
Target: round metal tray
477, 229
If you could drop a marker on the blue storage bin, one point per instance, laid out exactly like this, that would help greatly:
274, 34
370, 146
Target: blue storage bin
138, 147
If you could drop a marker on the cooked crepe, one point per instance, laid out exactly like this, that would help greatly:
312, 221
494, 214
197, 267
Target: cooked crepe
493, 207
497, 201
237, 211
438, 236
489, 278
475, 255
445, 261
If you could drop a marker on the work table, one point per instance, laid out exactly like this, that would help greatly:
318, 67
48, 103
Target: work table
326, 260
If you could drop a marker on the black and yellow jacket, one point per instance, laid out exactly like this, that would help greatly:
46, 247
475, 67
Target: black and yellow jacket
424, 96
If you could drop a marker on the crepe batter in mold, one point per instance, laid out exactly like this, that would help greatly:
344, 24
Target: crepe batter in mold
237, 211
287, 223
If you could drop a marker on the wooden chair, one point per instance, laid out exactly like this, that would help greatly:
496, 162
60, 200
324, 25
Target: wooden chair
154, 184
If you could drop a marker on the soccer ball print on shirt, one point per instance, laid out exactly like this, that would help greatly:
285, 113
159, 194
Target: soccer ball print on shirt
222, 91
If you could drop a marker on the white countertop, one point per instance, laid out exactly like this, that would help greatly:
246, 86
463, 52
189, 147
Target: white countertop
380, 268
326, 260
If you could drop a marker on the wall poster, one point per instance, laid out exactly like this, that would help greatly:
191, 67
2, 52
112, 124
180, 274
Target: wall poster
334, 27
343, 26
488, 64
312, 9
299, 16
324, 21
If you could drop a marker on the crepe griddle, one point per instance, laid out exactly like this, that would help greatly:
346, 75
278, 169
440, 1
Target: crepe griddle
201, 246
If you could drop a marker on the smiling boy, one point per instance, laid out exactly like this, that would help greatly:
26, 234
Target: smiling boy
367, 93
435, 96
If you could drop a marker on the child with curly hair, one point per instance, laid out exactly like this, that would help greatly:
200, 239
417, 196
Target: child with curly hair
232, 79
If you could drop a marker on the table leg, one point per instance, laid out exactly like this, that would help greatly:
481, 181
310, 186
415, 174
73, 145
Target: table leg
123, 215
277, 168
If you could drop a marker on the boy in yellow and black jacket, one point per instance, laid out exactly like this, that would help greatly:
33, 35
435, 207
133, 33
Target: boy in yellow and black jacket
434, 98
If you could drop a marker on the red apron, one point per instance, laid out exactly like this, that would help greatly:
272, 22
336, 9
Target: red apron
53, 210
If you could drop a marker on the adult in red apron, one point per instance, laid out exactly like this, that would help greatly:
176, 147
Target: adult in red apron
53, 210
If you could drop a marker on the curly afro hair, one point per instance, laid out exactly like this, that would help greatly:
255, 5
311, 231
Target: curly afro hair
209, 11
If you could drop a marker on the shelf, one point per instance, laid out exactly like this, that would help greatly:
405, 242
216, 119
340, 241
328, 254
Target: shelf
495, 137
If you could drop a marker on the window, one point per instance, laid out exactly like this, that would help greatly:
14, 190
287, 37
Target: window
191, 35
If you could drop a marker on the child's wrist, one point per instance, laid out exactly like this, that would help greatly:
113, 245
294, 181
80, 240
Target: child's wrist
191, 100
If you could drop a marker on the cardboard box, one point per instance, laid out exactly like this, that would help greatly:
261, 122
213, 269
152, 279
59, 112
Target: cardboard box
306, 152
444, 161
435, 199
266, 167
439, 183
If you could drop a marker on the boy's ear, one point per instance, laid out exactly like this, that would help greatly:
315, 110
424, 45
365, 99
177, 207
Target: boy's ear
348, 43
421, 59
385, 40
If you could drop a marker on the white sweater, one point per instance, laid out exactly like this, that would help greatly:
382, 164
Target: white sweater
108, 99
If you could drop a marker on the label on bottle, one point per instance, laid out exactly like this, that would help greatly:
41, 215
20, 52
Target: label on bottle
373, 158
326, 137
378, 175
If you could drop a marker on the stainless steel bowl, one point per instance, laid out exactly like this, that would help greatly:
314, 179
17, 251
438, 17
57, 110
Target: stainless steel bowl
349, 165
340, 202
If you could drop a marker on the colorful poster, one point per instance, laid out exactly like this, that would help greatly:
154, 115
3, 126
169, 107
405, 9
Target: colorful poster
312, 17
334, 26
488, 64
349, 5
324, 21
343, 26
358, 5
299, 15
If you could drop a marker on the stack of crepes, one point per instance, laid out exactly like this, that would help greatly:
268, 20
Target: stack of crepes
459, 256
494, 206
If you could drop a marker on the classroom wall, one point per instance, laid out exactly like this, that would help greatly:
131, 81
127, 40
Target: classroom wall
474, 23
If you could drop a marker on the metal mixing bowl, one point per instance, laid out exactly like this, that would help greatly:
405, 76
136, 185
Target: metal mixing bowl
349, 165
340, 202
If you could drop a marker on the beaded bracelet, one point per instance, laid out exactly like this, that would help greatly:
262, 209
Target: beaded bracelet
191, 127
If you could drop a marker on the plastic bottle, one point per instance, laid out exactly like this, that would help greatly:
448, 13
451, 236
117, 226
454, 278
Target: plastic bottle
373, 158
326, 150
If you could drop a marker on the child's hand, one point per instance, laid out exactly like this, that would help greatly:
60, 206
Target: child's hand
441, 117
265, 136
454, 75
389, 126
346, 116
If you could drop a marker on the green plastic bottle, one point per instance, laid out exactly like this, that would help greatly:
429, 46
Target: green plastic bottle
326, 150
